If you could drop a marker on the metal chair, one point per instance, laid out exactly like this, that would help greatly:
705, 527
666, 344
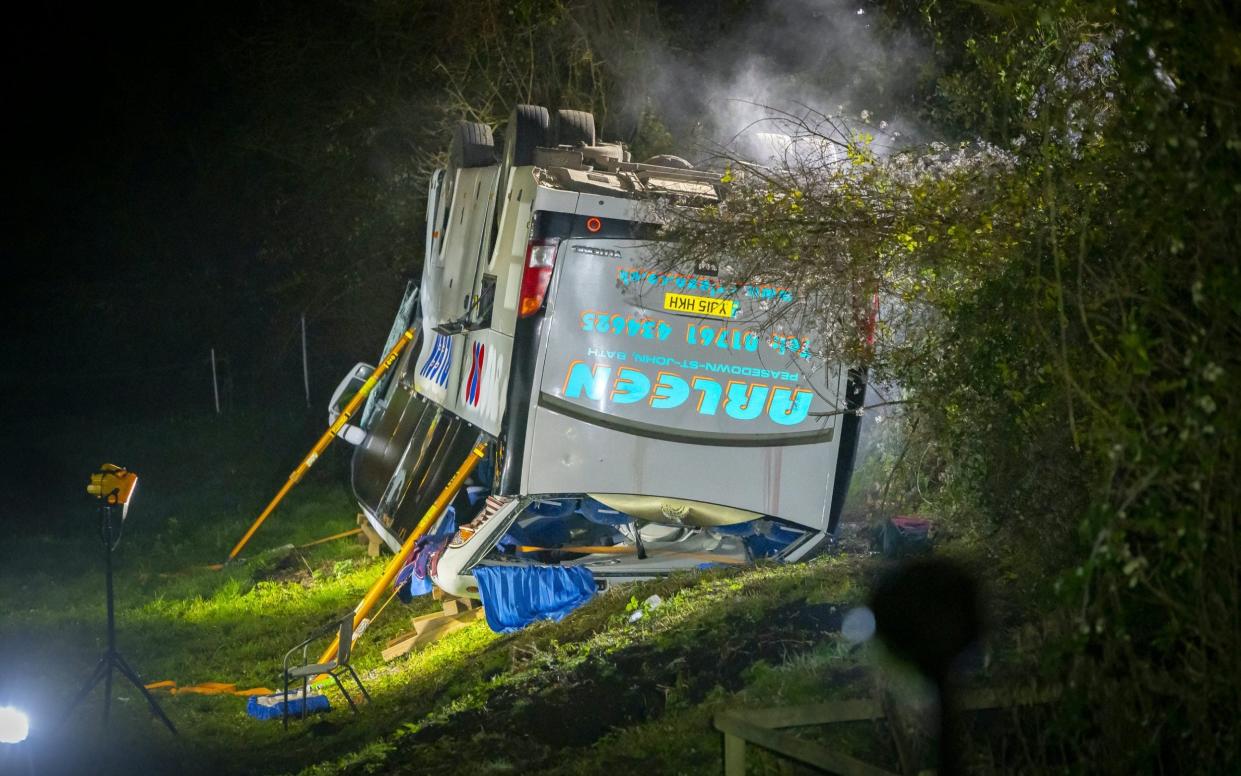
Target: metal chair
332, 668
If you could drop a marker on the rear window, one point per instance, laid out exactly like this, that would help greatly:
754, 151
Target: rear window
679, 355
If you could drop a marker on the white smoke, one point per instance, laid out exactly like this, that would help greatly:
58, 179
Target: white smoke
790, 59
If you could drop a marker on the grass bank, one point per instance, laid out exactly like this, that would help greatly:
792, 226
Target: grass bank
594, 692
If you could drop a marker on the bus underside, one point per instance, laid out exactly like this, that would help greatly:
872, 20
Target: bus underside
641, 417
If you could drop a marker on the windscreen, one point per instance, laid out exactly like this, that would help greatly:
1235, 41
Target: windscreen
679, 354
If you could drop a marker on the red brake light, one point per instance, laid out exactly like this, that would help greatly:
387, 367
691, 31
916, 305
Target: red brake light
540, 261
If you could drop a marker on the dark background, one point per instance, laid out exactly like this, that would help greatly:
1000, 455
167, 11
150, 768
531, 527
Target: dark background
199, 178
134, 221
137, 237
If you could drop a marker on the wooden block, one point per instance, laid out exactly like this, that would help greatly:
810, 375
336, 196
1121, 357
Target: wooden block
419, 639
455, 605
433, 630
424, 621
398, 647
429, 622
368, 537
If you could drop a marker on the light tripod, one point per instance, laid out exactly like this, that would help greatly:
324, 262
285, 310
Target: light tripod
114, 493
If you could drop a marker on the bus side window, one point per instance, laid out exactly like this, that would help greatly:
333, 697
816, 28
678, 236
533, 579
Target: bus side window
486, 302
445, 212
497, 216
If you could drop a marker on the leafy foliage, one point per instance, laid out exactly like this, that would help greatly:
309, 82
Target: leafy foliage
1060, 304
1059, 284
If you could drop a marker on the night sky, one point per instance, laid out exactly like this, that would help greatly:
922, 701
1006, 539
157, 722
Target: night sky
142, 208
107, 220
132, 231
196, 178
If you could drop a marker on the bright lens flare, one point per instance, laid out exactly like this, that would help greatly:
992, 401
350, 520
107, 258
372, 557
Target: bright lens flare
14, 726
858, 625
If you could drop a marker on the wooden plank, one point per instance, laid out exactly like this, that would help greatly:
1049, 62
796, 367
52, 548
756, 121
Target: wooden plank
431, 621
760, 726
422, 639
432, 630
369, 537
425, 621
398, 646
454, 605
798, 749
861, 709
734, 755
422, 624
813, 714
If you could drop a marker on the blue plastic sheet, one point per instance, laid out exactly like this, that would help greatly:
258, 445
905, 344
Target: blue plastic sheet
769, 543
539, 532
272, 706
598, 513
515, 596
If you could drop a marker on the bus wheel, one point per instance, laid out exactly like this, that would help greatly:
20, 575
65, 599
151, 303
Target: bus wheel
575, 126
668, 160
527, 130
472, 145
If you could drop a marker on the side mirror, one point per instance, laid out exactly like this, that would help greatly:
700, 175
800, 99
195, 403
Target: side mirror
354, 435
345, 391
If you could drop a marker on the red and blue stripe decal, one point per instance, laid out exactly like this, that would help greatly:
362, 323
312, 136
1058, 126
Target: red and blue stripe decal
473, 385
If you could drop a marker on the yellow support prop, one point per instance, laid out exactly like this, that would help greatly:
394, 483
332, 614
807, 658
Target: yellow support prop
328, 436
394, 567
332, 538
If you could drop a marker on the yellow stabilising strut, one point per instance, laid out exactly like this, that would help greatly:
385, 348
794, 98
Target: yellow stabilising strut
327, 437
394, 567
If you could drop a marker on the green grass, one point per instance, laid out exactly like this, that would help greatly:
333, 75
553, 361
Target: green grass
591, 693
194, 625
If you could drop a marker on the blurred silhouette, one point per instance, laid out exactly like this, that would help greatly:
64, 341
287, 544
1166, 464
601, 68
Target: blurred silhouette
928, 611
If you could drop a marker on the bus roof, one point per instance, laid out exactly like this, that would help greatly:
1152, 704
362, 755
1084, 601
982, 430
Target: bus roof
600, 170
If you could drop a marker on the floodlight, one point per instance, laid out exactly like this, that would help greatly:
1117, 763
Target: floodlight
115, 485
14, 725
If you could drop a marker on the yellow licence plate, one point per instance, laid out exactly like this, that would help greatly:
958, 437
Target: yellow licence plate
698, 305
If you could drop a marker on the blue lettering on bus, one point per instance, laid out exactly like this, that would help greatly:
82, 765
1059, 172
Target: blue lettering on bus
709, 394
628, 277
610, 323
670, 391
590, 380
631, 386
743, 401
788, 406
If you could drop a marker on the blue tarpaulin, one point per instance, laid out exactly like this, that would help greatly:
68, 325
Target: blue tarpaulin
515, 596
272, 706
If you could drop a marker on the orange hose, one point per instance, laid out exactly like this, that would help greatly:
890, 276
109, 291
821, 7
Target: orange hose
624, 549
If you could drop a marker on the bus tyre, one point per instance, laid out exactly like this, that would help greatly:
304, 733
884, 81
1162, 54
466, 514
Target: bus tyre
527, 130
575, 126
472, 145
668, 160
